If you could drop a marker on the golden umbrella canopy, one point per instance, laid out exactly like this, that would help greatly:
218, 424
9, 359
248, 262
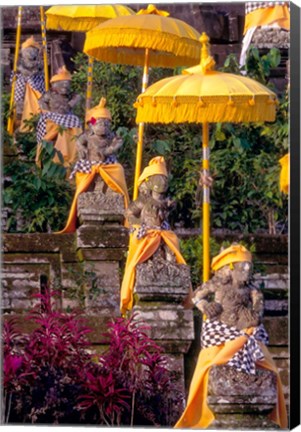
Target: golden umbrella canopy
124, 40
149, 38
203, 95
83, 19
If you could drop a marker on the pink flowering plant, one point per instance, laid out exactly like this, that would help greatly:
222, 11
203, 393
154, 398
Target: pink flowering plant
51, 376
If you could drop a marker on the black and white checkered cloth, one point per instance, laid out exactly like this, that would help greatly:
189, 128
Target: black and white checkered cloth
253, 5
215, 333
65, 120
143, 229
85, 166
36, 81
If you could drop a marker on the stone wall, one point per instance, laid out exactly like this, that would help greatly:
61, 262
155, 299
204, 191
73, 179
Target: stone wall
87, 267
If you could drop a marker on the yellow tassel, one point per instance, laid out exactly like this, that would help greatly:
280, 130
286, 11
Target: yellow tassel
252, 102
154, 102
136, 105
231, 266
200, 104
230, 102
174, 103
271, 101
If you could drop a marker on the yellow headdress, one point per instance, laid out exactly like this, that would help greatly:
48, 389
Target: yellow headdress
30, 42
62, 75
155, 166
99, 111
234, 253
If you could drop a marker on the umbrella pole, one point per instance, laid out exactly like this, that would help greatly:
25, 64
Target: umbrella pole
206, 206
89, 83
44, 43
12, 111
141, 128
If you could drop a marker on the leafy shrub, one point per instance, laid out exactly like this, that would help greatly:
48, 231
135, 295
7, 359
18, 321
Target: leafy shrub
52, 377
38, 198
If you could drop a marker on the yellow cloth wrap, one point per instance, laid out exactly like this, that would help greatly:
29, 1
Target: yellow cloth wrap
30, 107
65, 142
268, 16
139, 251
197, 413
113, 176
284, 173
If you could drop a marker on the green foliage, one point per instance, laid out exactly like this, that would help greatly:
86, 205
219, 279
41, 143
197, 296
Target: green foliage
244, 157
38, 198
258, 67
192, 250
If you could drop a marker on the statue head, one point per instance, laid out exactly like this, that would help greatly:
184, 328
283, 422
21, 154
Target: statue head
99, 119
61, 81
30, 51
155, 175
233, 263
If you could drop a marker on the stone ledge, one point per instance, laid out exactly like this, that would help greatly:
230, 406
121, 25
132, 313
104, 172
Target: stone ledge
96, 236
170, 322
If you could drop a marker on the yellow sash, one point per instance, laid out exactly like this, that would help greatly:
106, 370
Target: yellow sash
65, 142
113, 176
30, 107
197, 413
268, 16
139, 251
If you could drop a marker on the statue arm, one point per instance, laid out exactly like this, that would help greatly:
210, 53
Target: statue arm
44, 101
257, 302
211, 309
133, 212
81, 143
115, 145
74, 101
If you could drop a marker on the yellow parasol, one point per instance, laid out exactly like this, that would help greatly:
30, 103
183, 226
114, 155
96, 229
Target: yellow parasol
203, 95
83, 19
149, 38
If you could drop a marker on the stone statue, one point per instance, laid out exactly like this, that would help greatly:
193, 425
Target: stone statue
234, 364
99, 144
151, 209
152, 242
30, 85
236, 301
59, 98
57, 123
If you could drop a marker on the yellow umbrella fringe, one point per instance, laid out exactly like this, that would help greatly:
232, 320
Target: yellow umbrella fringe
105, 46
72, 24
174, 113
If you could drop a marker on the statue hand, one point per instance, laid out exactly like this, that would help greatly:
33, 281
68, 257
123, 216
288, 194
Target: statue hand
213, 309
248, 318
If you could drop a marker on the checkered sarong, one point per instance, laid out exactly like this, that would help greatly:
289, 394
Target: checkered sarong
253, 5
85, 166
65, 120
215, 333
36, 81
143, 229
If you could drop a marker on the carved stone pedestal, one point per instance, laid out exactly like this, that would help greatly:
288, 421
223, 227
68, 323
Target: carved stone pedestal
241, 401
100, 208
159, 292
101, 241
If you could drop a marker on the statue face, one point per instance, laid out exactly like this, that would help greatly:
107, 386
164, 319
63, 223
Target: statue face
30, 56
242, 271
158, 183
102, 127
61, 87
